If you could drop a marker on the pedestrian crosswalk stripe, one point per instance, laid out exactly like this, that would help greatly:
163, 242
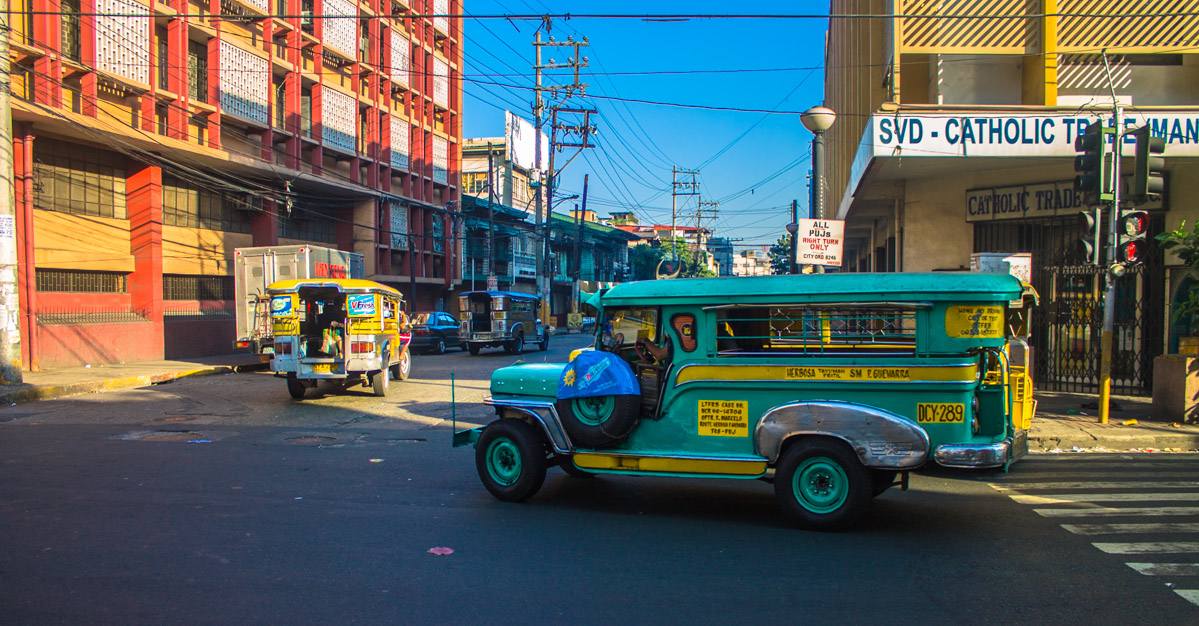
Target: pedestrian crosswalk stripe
1115, 529
1166, 569
1066, 498
1189, 594
1149, 547
1103, 511
1026, 476
1097, 485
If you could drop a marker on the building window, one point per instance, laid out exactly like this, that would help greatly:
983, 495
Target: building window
474, 183
79, 281
197, 70
281, 105
306, 112
75, 179
187, 205
309, 222
163, 60
71, 34
183, 287
306, 10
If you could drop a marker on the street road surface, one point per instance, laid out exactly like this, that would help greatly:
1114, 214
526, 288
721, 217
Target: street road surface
218, 500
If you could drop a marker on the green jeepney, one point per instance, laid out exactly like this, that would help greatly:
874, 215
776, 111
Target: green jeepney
833, 386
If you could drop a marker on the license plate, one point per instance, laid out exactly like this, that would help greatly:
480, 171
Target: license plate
322, 368
940, 412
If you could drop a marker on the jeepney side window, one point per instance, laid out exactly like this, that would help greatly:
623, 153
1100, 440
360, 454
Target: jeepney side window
814, 331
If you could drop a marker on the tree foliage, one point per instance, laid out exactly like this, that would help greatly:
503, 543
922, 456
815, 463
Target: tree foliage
780, 255
644, 260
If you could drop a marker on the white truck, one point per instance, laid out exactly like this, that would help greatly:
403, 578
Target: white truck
256, 268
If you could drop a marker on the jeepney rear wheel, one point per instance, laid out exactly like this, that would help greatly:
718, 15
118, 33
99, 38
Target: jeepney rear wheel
474, 349
599, 421
517, 345
821, 485
510, 458
402, 369
295, 387
380, 380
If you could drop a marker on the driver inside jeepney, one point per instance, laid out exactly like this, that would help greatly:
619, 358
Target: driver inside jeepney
640, 323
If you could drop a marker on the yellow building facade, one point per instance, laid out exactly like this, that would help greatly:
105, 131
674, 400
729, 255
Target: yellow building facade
955, 137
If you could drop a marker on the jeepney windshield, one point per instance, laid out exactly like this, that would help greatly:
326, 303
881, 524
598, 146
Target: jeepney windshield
627, 325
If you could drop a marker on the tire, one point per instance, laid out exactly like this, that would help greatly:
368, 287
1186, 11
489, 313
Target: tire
380, 380
474, 349
883, 479
402, 369
821, 485
544, 344
511, 460
516, 346
295, 387
599, 421
438, 346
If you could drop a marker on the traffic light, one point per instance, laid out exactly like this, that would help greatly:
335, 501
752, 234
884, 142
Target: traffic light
1130, 236
1091, 163
1089, 222
1147, 181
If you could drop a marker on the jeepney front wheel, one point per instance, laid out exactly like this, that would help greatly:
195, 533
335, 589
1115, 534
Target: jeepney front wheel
511, 460
380, 381
821, 485
402, 369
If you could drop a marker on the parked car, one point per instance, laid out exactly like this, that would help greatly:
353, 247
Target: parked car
434, 332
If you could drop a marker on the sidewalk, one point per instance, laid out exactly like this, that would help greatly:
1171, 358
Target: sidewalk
58, 383
1061, 422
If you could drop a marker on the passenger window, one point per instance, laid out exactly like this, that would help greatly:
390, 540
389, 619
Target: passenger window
834, 331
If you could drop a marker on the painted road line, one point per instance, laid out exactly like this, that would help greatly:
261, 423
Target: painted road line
1166, 569
1117, 529
1103, 511
1096, 485
1149, 547
1189, 594
1064, 498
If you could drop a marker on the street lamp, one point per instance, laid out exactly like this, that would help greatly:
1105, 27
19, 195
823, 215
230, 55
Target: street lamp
818, 120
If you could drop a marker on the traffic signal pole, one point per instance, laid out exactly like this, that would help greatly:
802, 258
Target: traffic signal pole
1109, 298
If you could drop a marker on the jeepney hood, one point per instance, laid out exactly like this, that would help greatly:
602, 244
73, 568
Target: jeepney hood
527, 379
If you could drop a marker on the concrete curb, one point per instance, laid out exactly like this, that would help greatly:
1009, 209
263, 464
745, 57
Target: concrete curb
1155, 437
31, 393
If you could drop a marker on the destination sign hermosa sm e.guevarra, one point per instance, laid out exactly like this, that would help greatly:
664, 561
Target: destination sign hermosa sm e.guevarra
1019, 135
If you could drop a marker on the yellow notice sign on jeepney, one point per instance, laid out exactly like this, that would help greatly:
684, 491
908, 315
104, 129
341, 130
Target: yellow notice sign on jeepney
974, 321
724, 418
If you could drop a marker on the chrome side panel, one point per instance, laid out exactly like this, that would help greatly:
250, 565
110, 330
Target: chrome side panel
544, 412
881, 439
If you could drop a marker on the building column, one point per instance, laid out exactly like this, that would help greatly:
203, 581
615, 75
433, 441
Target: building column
27, 273
264, 227
144, 207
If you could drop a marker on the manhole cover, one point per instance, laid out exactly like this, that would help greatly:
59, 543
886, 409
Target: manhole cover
170, 436
309, 440
174, 418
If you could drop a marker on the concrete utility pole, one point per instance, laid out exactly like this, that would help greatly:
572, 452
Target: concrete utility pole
490, 213
10, 306
675, 185
545, 280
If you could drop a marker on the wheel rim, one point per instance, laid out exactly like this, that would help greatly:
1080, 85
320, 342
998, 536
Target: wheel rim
503, 462
594, 411
820, 485
519, 344
439, 347
405, 363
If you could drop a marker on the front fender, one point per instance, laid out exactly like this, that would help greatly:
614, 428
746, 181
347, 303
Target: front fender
881, 439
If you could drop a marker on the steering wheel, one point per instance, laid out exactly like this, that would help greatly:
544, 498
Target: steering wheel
643, 353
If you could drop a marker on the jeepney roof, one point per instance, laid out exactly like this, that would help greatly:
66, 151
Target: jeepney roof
344, 285
838, 287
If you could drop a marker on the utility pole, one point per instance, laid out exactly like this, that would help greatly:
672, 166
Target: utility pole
1109, 299
545, 280
675, 185
10, 306
490, 263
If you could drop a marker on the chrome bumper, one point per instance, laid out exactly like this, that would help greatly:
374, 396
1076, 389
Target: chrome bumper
983, 455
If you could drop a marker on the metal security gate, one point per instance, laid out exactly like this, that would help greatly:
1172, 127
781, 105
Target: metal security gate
1068, 324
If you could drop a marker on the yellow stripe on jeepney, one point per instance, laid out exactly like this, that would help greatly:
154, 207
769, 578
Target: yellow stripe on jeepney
856, 373
674, 465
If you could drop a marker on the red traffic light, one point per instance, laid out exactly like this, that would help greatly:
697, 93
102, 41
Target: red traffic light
1131, 252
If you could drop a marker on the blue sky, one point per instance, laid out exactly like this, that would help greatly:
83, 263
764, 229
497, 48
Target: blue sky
752, 163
